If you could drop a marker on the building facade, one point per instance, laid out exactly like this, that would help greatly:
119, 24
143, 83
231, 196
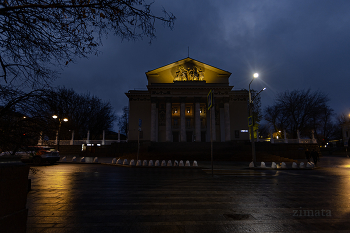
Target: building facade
174, 106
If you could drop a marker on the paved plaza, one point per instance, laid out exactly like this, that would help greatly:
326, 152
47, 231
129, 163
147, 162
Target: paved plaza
103, 198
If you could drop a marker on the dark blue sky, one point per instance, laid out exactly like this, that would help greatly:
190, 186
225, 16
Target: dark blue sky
292, 44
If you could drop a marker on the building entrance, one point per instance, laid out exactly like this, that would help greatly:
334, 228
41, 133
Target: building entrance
189, 136
175, 136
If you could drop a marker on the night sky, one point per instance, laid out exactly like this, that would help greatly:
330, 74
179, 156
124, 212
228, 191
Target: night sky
292, 44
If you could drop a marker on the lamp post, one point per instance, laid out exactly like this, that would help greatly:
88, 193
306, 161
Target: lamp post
252, 118
59, 129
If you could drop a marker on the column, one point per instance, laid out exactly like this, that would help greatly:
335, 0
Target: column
222, 123
207, 138
271, 133
40, 142
313, 137
285, 136
103, 137
227, 120
197, 121
153, 120
72, 140
56, 137
182, 121
168, 132
88, 137
213, 127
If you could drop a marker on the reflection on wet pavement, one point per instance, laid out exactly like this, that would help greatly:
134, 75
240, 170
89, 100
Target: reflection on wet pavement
102, 198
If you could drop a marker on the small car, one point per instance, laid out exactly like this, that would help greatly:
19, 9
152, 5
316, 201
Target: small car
38, 155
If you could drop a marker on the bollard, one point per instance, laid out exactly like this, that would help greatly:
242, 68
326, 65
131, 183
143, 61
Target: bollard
119, 161
138, 163
96, 160
169, 164
176, 163
163, 163
82, 159
294, 165
262, 164
132, 162
283, 165
125, 162
150, 163
74, 159
114, 161
302, 165
195, 164
156, 163
251, 164
273, 165
181, 164
144, 163
64, 159
187, 164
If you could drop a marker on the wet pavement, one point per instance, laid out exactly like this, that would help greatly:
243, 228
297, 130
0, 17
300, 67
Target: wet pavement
102, 198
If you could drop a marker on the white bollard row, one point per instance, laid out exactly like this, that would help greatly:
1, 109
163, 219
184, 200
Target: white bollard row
283, 165
150, 163
96, 160
82, 160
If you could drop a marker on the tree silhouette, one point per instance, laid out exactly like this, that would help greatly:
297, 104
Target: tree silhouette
37, 35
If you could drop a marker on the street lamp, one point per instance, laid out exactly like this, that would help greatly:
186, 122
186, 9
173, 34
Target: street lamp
252, 118
59, 129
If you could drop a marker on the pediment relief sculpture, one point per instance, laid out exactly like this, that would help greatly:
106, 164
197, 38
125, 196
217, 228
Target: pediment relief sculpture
190, 74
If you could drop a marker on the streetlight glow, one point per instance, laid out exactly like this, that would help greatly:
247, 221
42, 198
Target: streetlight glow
255, 75
54, 116
65, 119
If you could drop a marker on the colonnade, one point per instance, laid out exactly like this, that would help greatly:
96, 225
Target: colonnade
225, 122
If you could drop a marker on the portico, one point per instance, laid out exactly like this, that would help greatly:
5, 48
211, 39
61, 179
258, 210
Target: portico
174, 108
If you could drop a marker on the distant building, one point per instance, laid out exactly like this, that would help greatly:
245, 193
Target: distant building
346, 133
174, 106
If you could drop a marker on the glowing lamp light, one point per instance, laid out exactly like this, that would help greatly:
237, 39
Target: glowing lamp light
54, 117
255, 75
65, 119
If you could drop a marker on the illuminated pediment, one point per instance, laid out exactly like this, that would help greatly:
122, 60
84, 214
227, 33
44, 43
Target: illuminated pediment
187, 70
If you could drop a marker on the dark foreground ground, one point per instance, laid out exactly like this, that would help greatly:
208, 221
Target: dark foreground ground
102, 198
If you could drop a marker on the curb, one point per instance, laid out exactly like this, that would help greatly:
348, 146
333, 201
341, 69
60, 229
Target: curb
134, 166
269, 168
77, 163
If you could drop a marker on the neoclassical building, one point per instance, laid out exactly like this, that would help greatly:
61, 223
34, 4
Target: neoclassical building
174, 106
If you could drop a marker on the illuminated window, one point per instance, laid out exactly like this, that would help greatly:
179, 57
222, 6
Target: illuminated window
244, 131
